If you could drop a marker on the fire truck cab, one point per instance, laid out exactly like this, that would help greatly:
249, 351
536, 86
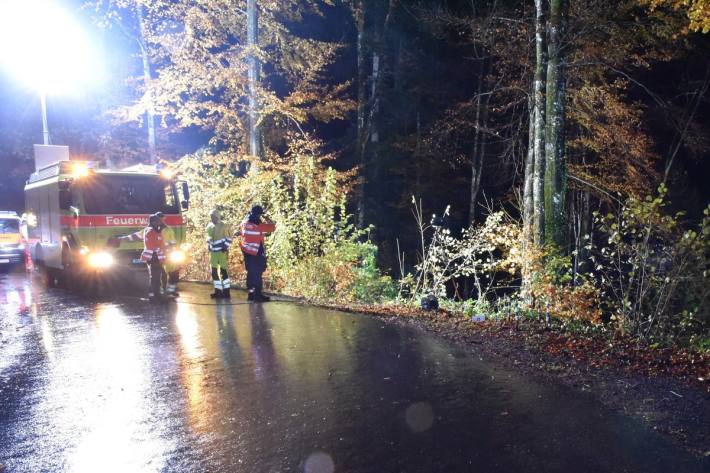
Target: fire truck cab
74, 208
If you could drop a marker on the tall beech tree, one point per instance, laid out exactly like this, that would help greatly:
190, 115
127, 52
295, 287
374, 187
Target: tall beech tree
555, 98
209, 58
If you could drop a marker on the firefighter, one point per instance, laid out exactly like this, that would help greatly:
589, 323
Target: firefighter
219, 239
154, 254
253, 231
171, 273
172, 270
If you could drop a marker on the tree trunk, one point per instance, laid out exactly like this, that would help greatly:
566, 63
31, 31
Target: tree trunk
477, 166
253, 79
555, 166
375, 22
538, 221
362, 76
417, 157
476, 161
147, 77
582, 226
374, 99
528, 202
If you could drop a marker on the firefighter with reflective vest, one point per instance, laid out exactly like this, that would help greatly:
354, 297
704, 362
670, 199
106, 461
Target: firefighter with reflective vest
171, 273
219, 239
154, 254
172, 269
253, 231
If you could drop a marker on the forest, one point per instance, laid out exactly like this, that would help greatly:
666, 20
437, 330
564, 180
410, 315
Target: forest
538, 160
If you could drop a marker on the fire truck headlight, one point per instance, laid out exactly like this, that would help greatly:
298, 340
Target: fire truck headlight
177, 257
100, 260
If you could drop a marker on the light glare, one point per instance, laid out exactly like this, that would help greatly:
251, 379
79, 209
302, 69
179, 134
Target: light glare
101, 260
45, 47
177, 257
79, 170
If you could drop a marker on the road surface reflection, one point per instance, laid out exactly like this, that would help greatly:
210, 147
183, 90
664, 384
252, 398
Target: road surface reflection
198, 386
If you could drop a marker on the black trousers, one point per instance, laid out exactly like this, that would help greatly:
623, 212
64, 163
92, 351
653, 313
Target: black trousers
156, 272
170, 278
256, 265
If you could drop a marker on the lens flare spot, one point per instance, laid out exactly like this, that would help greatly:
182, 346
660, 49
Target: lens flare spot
319, 462
419, 416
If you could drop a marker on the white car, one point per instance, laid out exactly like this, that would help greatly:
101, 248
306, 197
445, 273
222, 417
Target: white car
12, 242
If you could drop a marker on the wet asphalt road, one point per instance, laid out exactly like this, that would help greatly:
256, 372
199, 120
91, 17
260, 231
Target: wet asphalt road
196, 387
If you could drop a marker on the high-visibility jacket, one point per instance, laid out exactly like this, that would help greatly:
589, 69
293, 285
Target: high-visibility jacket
169, 240
153, 244
219, 237
166, 232
137, 236
252, 242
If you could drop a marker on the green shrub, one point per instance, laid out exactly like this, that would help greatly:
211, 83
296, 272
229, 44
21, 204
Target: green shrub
654, 274
315, 252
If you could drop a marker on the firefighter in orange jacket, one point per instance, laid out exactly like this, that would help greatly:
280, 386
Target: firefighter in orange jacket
154, 254
253, 231
171, 273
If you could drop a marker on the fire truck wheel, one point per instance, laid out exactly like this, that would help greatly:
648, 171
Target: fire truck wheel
47, 275
50, 276
69, 276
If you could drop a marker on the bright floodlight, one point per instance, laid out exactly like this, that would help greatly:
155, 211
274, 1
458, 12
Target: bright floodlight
44, 46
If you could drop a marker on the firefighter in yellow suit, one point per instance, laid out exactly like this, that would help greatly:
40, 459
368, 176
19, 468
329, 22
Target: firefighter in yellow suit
172, 268
219, 239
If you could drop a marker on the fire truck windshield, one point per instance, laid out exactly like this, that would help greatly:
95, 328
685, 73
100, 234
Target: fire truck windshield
121, 194
9, 225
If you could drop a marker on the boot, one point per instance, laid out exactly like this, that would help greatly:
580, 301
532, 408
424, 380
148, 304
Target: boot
217, 294
171, 290
259, 297
226, 294
250, 296
156, 298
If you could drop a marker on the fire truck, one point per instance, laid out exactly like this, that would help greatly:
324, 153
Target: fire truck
73, 209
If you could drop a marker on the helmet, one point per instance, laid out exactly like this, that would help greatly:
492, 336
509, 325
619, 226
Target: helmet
154, 218
256, 211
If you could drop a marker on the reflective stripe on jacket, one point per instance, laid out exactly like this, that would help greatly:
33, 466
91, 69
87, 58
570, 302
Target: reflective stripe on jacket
219, 237
137, 236
253, 236
167, 233
153, 244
